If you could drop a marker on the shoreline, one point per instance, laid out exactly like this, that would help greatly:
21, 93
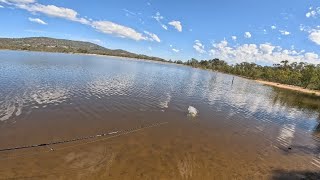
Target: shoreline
99, 55
289, 87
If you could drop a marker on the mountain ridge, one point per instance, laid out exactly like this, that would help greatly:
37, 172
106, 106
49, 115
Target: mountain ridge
47, 44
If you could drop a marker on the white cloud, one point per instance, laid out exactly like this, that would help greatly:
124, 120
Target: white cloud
247, 35
234, 38
315, 36
313, 12
164, 26
273, 27
176, 50
159, 18
176, 24
18, 1
263, 53
106, 27
1, 6
264, 31
117, 30
309, 14
304, 28
284, 32
54, 11
129, 12
37, 20
267, 48
153, 37
311, 56
199, 47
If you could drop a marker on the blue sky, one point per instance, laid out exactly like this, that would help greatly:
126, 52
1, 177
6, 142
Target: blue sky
264, 32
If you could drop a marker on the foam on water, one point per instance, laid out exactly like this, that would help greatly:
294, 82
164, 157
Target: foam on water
192, 111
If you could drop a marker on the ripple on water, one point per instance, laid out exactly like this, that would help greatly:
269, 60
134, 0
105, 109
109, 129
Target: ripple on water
87, 89
13, 107
10, 108
286, 134
107, 84
51, 96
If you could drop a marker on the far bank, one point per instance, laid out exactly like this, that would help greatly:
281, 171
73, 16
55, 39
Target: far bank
290, 87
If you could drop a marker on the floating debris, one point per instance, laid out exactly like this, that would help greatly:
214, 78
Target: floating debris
192, 111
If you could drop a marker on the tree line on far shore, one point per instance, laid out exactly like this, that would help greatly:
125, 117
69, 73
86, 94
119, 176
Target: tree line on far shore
298, 74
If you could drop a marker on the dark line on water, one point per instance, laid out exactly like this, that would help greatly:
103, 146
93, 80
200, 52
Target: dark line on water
79, 139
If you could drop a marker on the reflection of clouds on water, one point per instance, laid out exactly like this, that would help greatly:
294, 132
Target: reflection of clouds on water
286, 134
141, 85
165, 102
194, 80
253, 101
117, 85
292, 113
44, 97
252, 97
213, 93
12, 107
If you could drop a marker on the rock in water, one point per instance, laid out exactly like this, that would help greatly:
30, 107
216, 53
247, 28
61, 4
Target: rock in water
192, 111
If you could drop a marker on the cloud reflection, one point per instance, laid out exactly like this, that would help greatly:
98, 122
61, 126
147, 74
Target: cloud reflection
13, 107
108, 86
50, 96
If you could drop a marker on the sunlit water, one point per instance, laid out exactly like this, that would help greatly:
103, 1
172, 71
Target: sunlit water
46, 97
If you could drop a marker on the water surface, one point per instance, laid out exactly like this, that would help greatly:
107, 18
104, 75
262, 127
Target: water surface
243, 130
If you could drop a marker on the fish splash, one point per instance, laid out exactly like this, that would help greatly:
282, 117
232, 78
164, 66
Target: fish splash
193, 111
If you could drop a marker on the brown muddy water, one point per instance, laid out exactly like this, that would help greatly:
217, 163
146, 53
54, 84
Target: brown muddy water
243, 130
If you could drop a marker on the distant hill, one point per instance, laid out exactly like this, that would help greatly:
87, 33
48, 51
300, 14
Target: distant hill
46, 44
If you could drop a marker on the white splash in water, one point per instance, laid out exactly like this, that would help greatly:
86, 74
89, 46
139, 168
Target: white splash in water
193, 111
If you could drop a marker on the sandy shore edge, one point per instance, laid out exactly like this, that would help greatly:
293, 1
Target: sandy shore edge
289, 87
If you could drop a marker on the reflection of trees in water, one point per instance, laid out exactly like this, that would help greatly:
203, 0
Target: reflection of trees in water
297, 100
317, 129
301, 101
285, 174
309, 104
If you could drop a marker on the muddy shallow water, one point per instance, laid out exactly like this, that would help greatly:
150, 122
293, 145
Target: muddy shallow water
243, 130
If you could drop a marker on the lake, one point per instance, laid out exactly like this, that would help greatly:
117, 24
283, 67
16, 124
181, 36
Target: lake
243, 130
